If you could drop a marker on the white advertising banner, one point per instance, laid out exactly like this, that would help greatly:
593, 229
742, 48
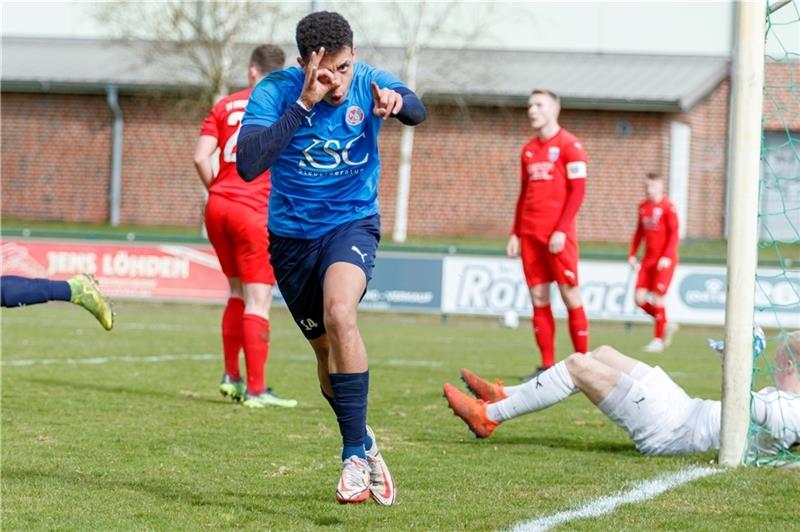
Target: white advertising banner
494, 285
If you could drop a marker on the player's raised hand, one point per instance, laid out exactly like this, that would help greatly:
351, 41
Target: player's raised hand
557, 241
512, 248
318, 81
386, 102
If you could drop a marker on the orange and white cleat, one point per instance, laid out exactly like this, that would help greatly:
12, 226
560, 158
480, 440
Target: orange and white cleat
353, 485
483, 389
472, 411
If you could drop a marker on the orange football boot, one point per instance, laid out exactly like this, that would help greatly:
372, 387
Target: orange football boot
483, 389
472, 411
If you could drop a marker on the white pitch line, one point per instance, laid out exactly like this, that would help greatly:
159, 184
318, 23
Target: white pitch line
191, 357
106, 360
642, 491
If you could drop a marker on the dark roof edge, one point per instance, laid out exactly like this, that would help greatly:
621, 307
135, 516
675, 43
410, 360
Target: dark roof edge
689, 101
597, 104
589, 104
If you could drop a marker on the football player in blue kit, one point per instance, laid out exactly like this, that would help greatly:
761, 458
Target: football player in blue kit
315, 127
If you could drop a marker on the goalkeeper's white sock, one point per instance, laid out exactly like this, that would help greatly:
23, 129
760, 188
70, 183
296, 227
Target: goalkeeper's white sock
511, 390
548, 388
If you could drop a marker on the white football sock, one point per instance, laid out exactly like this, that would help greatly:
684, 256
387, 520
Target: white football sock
548, 388
511, 390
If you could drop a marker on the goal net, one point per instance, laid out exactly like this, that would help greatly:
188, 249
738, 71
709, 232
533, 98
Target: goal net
777, 296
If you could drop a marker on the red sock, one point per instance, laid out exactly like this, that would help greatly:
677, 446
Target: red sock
661, 321
578, 329
232, 335
256, 351
544, 328
649, 308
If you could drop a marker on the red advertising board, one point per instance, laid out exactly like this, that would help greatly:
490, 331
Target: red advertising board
171, 272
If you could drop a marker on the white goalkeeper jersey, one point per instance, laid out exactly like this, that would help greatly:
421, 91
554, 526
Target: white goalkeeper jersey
775, 411
778, 414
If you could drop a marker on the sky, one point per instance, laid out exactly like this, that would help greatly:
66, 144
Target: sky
699, 27
702, 28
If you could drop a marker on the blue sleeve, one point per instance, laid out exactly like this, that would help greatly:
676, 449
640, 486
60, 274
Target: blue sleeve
269, 100
385, 80
269, 123
413, 111
258, 147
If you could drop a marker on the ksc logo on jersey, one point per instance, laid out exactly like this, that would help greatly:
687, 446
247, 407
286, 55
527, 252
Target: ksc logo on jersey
332, 154
553, 152
355, 115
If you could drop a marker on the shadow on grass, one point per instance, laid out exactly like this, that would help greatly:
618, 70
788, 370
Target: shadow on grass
259, 502
560, 442
95, 386
553, 442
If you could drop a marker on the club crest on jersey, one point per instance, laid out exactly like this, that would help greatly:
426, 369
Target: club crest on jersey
355, 115
553, 152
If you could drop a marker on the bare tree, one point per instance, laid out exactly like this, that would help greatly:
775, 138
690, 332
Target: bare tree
419, 25
200, 35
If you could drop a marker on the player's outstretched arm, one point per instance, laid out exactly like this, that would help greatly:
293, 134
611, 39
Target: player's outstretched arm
400, 102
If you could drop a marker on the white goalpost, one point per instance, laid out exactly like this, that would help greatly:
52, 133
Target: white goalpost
748, 83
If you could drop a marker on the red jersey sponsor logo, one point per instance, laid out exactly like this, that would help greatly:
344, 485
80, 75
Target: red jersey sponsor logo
652, 222
540, 171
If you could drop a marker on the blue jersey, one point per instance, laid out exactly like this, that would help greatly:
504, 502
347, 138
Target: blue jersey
328, 174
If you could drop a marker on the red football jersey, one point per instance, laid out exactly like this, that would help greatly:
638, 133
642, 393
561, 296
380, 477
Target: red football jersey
658, 226
548, 169
223, 123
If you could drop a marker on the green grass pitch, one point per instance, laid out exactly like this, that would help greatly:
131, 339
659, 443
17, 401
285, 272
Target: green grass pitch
132, 442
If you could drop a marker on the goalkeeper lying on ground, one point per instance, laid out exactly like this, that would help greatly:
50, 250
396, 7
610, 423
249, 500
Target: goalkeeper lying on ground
656, 413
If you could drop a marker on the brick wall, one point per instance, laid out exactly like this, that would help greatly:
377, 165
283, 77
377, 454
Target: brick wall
465, 176
782, 102
159, 182
707, 165
56, 157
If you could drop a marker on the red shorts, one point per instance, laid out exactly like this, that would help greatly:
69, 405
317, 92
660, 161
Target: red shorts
542, 267
654, 280
239, 236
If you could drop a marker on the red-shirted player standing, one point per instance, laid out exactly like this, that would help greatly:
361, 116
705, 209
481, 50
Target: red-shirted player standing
236, 220
553, 185
658, 226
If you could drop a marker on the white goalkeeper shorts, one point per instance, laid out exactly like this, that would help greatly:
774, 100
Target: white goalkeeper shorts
653, 411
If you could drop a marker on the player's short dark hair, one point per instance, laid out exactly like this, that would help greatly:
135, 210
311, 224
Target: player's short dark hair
653, 176
267, 57
547, 92
322, 29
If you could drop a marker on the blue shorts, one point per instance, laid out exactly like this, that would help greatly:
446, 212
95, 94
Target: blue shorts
300, 266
